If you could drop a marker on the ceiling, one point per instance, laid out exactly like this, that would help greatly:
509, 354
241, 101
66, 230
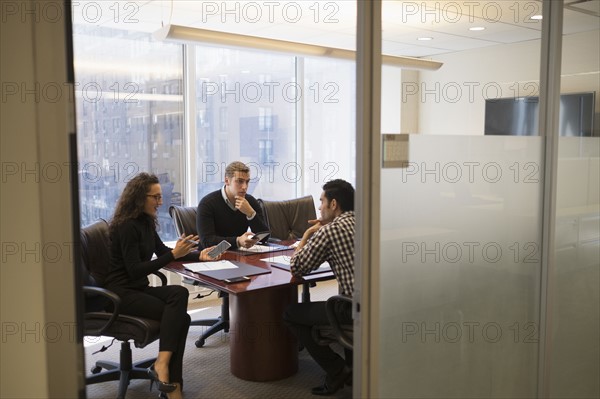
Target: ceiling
333, 23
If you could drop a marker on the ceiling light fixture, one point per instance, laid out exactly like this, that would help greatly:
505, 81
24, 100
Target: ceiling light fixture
424, 39
186, 34
536, 17
476, 28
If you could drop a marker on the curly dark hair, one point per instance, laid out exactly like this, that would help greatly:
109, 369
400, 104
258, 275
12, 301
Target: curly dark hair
133, 199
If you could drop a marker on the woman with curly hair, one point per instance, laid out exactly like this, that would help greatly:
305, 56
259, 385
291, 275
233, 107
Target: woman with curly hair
133, 242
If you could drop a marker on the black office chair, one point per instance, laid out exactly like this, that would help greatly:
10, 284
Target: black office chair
340, 330
184, 218
95, 247
288, 220
339, 313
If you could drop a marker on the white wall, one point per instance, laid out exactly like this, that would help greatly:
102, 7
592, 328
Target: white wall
40, 355
391, 78
451, 100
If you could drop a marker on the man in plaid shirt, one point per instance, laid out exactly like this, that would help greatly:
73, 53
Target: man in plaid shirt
329, 239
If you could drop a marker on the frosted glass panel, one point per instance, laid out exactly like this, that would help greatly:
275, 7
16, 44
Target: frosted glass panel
460, 268
574, 303
573, 328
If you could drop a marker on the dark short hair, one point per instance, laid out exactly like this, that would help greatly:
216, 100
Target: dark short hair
342, 192
236, 166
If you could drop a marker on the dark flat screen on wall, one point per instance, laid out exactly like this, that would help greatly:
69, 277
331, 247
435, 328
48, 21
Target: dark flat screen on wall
519, 116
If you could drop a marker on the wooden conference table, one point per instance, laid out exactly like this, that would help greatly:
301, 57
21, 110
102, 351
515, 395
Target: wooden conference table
261, 346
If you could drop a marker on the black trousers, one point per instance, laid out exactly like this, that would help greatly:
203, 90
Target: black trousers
168, 305
300, 318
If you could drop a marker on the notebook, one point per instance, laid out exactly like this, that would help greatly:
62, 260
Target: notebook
283, 262
225, 269
260, 249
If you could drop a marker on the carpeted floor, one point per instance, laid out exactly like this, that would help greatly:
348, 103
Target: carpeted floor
206, 369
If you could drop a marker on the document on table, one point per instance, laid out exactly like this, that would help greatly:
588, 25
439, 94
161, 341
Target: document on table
325, 267
284, 260
258, 249
209, 266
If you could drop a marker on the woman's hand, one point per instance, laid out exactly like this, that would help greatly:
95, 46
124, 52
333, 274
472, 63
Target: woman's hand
185, 245
205, 257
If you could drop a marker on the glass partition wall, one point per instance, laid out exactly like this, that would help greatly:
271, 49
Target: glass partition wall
573, 327
465, 308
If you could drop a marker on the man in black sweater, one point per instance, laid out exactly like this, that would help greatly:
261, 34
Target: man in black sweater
227, 213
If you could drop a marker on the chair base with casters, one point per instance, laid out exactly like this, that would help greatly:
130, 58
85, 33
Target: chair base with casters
124, 371
216, 324
123, 328
184, 218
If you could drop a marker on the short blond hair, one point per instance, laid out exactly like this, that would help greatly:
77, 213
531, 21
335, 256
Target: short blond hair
236, 166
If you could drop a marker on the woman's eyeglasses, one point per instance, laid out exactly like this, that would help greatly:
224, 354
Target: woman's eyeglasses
157, 197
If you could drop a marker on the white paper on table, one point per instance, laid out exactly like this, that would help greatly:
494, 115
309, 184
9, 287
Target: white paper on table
284, 260
256, 249
208, 266
324, 265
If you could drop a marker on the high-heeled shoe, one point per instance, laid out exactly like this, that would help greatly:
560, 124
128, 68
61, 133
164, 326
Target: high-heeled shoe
162, 386
162, 395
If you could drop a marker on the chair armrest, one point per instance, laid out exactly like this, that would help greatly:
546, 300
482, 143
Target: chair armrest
162, 277
334, 305
116, 301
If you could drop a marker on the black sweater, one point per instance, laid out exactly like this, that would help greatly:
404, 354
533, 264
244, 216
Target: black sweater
132, 245
216, 221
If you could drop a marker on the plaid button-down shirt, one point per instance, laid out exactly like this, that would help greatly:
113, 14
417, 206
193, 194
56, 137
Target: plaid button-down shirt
333, 243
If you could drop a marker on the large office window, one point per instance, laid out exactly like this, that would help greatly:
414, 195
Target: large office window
329, 122
248, 100
291, 119
129, 117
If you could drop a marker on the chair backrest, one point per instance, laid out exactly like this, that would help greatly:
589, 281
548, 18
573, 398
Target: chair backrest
95, 250
288, 220
184, 218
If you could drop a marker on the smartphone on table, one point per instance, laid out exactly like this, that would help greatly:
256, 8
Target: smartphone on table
219, 249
